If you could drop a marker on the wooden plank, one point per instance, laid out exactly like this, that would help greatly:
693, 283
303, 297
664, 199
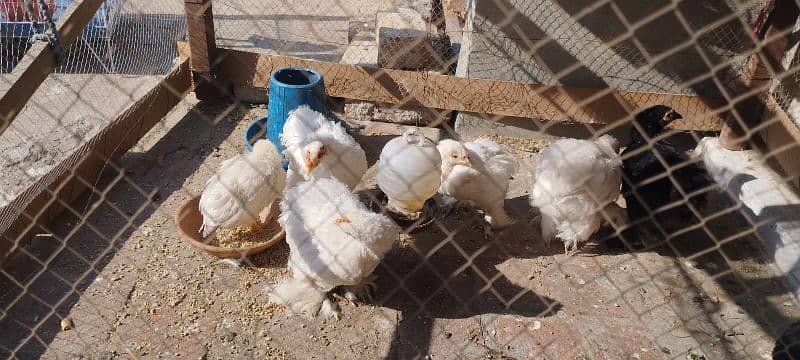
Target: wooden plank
35, 207
39, 61
558, 103
782, 140
775, 111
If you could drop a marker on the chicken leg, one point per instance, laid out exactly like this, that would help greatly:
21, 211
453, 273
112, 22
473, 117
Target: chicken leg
361, 292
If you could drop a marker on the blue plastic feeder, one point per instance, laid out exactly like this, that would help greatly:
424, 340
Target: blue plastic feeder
288, 89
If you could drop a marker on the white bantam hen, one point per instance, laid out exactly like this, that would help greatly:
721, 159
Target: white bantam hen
573, 181
242, 188
479, 172
319, 148
334, 240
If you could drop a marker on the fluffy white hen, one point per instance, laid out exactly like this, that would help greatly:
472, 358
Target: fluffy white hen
242, 188
479, 172
574, 180
319, 148
334, 240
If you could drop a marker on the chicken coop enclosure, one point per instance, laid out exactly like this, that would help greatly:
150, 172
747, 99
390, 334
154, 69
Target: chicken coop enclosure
660, 140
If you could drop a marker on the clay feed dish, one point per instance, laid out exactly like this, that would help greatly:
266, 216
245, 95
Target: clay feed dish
188, 220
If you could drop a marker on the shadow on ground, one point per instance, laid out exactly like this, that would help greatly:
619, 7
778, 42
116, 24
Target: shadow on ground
55, 270
435, 275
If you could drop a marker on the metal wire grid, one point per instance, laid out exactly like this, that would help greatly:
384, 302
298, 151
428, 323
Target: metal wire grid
40, 294
65, 105
785, 92
324, 34
116, 41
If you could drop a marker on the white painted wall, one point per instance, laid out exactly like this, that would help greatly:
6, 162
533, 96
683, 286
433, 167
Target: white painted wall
773, 203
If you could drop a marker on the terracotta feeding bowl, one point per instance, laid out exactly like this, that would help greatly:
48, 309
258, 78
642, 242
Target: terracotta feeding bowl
188, 220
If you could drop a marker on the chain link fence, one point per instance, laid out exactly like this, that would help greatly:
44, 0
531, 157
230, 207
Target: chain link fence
390, 241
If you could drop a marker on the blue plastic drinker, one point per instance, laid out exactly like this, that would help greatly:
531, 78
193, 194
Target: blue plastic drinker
288, 89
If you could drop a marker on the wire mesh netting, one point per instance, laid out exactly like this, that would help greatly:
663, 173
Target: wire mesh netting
117, 29
596, 213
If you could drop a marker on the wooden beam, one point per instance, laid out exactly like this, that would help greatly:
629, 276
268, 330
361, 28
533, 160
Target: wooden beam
494, 97
782, 118
203, 47
39, 61
44, 199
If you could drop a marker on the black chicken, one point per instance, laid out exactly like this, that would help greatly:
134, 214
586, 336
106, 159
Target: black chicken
787, 347
647, 177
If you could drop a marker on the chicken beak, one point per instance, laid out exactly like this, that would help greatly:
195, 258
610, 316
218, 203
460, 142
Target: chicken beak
313, 159
670, 116
465, 161
310, 166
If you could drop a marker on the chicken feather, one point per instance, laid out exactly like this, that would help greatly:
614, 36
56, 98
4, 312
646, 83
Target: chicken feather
242, 187
319, 148
655, 203
479, 171
334, 240
574, 180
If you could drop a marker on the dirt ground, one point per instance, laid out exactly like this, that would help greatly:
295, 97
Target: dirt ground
113, 279
131, 288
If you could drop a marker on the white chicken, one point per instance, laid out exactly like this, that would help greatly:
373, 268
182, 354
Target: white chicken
409, 173
479, 172
319, 148
720, 163
574, 181
334, 240
242, 188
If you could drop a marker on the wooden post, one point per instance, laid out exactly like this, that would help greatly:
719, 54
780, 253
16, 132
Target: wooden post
203, 47
757, 74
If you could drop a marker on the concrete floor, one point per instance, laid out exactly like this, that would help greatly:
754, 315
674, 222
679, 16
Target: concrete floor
133, 288
307, 29
63, 114
81, 98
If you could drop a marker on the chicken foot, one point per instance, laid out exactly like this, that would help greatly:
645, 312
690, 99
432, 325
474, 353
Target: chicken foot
329, 309
354, 294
